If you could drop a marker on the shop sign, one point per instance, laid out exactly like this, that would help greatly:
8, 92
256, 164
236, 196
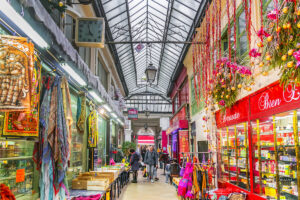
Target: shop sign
133, 113
274, 98
236, 114
183, 141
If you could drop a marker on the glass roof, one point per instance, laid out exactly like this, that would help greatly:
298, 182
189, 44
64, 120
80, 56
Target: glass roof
150, 20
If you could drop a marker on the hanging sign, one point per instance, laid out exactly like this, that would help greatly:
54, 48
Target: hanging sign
236, 114
133, 113
16, 68
274, 99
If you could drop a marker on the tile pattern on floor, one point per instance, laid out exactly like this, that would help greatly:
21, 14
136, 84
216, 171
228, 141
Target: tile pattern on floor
145, 190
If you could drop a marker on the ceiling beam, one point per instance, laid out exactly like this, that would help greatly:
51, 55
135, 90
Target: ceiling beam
130, 36
165, 35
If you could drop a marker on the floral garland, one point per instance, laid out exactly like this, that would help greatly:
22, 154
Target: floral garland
279, 44
229, 79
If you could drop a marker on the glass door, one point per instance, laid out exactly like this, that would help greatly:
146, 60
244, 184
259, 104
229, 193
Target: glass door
232, 154
242, 155
287, 162
224, 154
265, 157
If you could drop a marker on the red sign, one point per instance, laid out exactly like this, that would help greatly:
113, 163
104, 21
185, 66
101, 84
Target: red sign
20, 175
179, 120
274, 100
183, 141
234, 115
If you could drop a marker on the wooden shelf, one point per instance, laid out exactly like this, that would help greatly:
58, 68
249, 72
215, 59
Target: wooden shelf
14, 177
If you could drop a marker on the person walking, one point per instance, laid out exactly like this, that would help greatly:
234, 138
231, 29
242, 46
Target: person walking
151, 159
134, 162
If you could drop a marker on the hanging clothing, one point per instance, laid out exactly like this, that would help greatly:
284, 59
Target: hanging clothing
93, 129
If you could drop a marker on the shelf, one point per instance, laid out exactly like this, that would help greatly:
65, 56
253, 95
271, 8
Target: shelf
291, 196
285, 145
14, 177
287, 161
17, 158
263, 146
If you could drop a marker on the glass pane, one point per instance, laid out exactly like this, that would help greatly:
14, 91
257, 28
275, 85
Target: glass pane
287, 164
100, 151
264, 158
76, 154
243, 44
242, 155
224, 154
242, 22
232, 155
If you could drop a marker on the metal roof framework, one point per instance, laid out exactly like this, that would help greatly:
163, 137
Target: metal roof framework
151, 20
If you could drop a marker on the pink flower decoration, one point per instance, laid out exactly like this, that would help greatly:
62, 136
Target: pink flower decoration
254, 53
297, 57
262, 32
272, 15
222, 103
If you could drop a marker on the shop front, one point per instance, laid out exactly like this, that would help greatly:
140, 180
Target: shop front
259, 143
178, 133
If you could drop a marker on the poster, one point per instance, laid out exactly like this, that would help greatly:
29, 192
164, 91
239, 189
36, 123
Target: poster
16, 68
183, 141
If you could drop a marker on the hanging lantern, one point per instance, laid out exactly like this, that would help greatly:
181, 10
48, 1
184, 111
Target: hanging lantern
150, 73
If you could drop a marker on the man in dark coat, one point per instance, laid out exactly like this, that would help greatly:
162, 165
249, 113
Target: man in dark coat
134, 162
151, 159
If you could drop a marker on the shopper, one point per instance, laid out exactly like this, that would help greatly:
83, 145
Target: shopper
168, 171
134, 162
151, 159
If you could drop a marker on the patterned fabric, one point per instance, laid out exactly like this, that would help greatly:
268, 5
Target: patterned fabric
81, 113
54, 146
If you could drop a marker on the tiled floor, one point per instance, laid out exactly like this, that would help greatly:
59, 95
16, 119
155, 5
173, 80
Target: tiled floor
144, 190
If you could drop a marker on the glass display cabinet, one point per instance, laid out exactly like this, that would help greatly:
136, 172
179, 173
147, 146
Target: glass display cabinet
234, 155
16, 166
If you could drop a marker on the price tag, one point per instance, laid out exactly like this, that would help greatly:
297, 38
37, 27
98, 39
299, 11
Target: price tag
20, 175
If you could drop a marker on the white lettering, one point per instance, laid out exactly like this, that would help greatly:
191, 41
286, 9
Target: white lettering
265, 102
231, 117
291, 94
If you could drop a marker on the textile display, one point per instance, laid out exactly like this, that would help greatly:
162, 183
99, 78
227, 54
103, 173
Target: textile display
81, 112
26, 123
16, 71
93, 128
44, 17
52, 152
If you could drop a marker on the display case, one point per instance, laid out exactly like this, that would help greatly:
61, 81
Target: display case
234, 155
76, 154
264, 157
16, 166
100, 151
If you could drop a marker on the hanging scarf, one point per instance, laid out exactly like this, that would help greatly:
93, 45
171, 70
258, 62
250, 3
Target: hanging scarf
81, 112
93, 129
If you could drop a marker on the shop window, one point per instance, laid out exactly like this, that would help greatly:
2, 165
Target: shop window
2, 31
175, 103
100, 151
195, 108
102, 73
233, 143
70, 28
85, 54
76, 153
